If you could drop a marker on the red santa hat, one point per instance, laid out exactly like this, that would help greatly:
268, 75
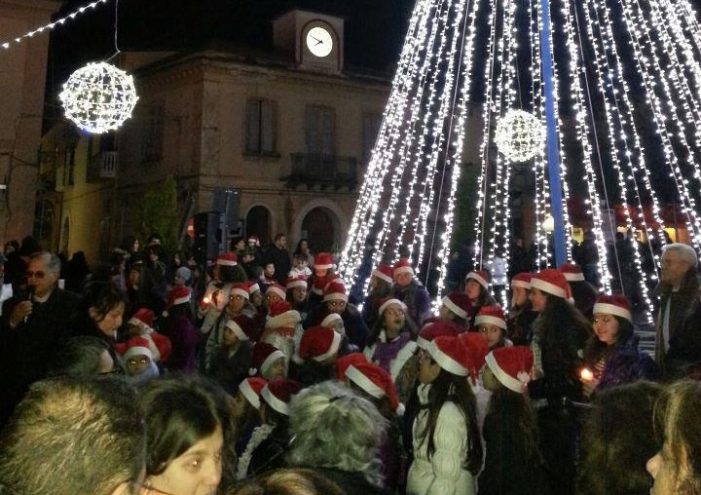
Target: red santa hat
240, 289
388, 302
227, 259
433, 330
511, 366
278, 393
135, 346
375, 381
277, 289
318, 343
263, 356
243, 327
253, 287
330, 320
458, 303
251, 387
491, 315
253, 240
572, 272
522, 280
281, 315
178, 295
384, 272
553, 282
343, 362
403, 266
323, 261
478, 349
335, 291
450, 355
160, 346
143, 318
616, 305
298, 281
480, 276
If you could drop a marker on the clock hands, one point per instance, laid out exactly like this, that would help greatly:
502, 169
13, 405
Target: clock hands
318, 41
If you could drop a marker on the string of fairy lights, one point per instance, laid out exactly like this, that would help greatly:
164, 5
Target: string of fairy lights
602, 139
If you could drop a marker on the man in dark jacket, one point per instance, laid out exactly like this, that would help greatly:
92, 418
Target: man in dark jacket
679, 293
278, 255
32, 328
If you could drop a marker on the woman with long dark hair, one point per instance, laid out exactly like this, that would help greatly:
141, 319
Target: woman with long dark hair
611, 354
521, 315
560, 334
446, 440
477, 289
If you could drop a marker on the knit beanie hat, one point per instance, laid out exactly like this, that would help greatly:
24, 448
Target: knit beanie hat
184, 272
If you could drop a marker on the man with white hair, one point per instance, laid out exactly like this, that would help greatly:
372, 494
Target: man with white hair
679, 294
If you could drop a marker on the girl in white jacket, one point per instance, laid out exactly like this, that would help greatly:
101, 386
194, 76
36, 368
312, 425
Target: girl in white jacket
446, 440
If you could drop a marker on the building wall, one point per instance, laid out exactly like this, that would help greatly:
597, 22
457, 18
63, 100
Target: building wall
204, 120
22, 79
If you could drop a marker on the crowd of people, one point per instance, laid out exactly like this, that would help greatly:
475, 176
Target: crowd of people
259, 374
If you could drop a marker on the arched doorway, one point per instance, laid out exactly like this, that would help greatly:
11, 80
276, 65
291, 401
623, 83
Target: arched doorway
258, 223
320, 227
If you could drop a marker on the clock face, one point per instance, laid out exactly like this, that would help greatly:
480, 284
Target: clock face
319, 41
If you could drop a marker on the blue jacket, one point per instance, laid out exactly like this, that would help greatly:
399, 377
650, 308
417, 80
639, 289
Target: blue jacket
625, 364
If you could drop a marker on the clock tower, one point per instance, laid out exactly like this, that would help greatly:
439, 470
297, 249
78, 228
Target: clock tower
315, 41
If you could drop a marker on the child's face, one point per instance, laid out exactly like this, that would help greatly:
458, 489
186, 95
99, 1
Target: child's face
229, 337
491, 333
300, 263
269, 270
320, 272
137, 364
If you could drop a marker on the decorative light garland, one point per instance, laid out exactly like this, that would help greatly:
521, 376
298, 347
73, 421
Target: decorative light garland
99, 97
47, 27
520, 136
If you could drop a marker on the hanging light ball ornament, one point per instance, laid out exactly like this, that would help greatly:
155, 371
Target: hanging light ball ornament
519, 136
99, 97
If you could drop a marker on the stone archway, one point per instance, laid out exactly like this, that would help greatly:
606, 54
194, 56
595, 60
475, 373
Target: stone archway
258, 222
320, 227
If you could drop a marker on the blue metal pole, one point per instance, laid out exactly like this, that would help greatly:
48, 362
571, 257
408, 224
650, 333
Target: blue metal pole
553, 156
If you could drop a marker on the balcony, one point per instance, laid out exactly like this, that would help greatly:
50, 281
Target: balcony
324, 171
103, 166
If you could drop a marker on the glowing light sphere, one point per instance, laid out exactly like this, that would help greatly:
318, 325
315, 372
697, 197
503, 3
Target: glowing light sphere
519, 136
99, 97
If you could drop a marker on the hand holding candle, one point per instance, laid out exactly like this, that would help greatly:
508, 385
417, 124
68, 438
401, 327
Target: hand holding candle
586, 375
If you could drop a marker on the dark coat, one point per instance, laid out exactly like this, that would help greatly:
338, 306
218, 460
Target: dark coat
350, 483
184, 338
281, 259
27, 350
230, 369
270, 454
507, 471
683, 303
520, 325
684, 352
625, 364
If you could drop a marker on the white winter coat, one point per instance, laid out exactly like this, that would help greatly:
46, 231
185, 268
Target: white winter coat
444, 473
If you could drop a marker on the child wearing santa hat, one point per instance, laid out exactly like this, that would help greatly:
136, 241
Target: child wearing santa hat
381, 281
491, 324
519, 324
446, 439
513, 463
138, 361
315, 358
182, 333
245, 410
477, 290
376, 384
231, 360
269, 442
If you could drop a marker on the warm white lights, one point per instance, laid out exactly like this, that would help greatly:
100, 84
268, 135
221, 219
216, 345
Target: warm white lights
99, 97
519, 136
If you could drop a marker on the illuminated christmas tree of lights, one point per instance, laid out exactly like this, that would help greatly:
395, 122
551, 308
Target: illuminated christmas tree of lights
627, 87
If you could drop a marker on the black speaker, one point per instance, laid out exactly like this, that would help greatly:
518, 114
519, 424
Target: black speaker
228, 202
207, 235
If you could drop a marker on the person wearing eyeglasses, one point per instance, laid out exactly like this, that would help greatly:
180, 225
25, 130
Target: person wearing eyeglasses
33, 326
